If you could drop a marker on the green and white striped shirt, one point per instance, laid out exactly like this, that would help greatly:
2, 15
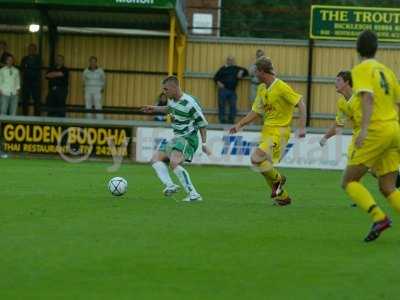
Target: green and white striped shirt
187, 115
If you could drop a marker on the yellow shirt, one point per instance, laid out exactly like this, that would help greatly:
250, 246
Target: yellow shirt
377, 79
276, 103
349, 110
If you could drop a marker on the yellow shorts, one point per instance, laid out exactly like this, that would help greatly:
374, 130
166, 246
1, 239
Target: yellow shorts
380, 150
273, 141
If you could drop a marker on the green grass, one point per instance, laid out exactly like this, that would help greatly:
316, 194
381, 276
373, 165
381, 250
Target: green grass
63, 236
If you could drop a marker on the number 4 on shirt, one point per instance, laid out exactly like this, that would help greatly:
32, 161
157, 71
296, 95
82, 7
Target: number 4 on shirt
383, 82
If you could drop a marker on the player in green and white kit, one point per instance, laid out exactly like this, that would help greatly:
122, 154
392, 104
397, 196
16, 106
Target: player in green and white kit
187, 120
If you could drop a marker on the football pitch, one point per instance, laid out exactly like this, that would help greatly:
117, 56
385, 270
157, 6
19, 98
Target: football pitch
63, 236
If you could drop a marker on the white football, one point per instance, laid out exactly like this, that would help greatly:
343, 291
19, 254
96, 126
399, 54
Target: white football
117, 186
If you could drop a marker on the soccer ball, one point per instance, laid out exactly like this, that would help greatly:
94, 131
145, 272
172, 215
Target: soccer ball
117, 186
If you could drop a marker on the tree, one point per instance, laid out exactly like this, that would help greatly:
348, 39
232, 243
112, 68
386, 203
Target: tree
278, 19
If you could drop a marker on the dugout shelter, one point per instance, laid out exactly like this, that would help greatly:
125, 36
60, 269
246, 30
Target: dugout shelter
153, 15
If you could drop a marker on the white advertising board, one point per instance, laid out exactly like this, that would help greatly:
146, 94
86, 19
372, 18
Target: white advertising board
202, 23
235, 150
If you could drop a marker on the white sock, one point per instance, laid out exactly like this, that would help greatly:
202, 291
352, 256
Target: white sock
184, 179
162, 173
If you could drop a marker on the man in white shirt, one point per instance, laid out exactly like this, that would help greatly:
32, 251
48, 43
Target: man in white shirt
94, 80
9, 87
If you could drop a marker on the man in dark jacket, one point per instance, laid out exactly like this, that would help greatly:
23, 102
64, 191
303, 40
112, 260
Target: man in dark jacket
227, 78
30, 67
58, 88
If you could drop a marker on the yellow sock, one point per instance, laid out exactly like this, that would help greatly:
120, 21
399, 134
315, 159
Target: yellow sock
268, 171
360, 195
394, 200
267, 179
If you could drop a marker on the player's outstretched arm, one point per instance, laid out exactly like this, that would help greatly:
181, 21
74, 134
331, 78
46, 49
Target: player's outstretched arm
303, 118
154, 109
203, 135
332, 131
250, 117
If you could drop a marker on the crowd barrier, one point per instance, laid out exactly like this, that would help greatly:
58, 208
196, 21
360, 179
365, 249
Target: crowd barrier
80, 139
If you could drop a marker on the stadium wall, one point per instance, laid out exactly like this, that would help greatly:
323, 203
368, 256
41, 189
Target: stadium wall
136, 65
75, 140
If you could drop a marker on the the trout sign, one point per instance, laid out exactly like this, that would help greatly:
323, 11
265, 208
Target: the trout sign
345, 23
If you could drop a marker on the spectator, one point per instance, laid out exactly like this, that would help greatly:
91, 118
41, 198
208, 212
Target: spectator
58, 88
94, 80
162, 100
9, 87
227, 79
3, 53
254, 81
30, 67
3, 56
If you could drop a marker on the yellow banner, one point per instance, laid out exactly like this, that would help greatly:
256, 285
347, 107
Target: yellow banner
53, 139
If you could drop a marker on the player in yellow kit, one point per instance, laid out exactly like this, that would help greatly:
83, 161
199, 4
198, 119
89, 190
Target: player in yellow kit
346, 105
347, 109
376, 141
275, 102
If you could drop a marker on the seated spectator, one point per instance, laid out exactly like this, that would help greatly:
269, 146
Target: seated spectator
3, 53
162, 100
94, 80
254, 81
31, 79
227, 79
9, 87
57, 76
